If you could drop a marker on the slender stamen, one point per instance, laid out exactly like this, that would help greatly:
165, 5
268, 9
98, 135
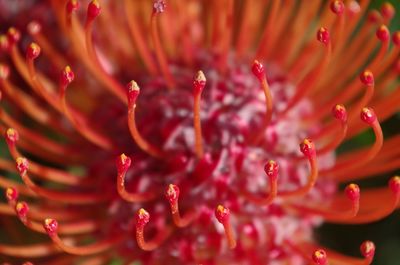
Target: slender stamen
223, 216
67, 76
44, 172
199, 83
340, 114
76, 198
30, 251
271, 169
79, 122
373, 210
331, 214
308, 83
93, 11
138, 38
133, 91
259, 71
71, 7
172, 195
51, 228
368, 116
159, 7
308, 149
142, 218
78, 227
123, 163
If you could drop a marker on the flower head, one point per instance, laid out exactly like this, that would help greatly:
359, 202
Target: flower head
220, 118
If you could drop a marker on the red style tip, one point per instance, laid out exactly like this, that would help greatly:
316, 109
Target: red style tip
271, 168
67, 76
33, 51
339, 112
51, 226
394, 184
11, 194
22, 209
199, 82
367, 78
133, 91
396, 38
374, 16
159, 6
258, 70
13, 35
323, 35
337, 7
319, 257
123, 163
383, 33
387, 10
368, 116
367, 249
222, 214
352, 192
12, 136
4, 71
172, 193
93, 9
72, 6
22, 165
142, 217
34, 27
307, 148
27, 263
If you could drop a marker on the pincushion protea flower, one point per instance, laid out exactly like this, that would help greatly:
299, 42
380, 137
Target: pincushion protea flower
222, 149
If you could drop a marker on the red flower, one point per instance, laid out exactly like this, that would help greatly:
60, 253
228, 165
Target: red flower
230, 129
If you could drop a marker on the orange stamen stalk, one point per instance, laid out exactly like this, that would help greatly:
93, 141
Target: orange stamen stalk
133, 93
51, 228
123, 164
198, 86
223, 216
308, 149
259, 71
142, 218
172, 195
158, 8
271, 170
330, 214
66, 197
67, 76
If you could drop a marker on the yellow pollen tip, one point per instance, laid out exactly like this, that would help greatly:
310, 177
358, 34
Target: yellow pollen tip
9, 192
200, 76
123, 158
142, 212
19, 206
48, 221
96, 3
133, 86
20, 160
220, 208
352, 186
